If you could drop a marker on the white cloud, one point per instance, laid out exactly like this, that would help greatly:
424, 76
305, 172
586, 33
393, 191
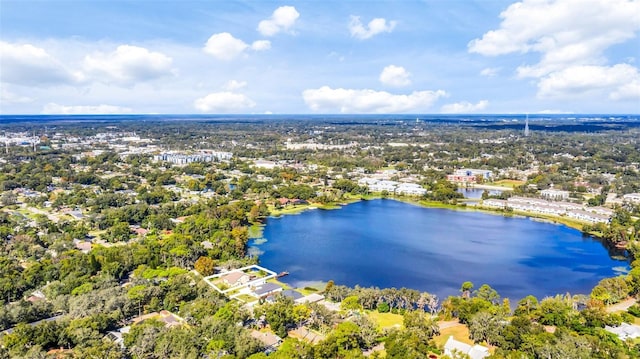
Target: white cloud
490, 71
235, 85
464, 107
224, 102
618, 82
341, 100
375, 26
565, 32
8, 97
54, 108
26, 64
226, 47
127, 65
395, 76
282, 19
571, 36
261, 45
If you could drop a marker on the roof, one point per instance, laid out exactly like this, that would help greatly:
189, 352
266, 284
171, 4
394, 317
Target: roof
311, 298
474, 352
625, 330
266, 289
292, 293
267, 338
233, 277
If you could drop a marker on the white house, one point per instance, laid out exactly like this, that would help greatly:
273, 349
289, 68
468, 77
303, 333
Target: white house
411, 189
632, 197
473, 351
554, 194
624, 331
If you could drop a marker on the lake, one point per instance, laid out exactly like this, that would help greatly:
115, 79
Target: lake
476, 193
387, 243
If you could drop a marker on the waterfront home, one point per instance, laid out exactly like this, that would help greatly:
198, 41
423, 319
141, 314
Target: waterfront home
236, 278
588, 216
561, 208
411, 189
266, 289
453, 346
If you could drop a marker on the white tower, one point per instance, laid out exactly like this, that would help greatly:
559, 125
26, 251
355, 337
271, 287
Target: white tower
526, 126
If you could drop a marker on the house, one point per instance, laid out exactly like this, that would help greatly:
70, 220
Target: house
270, 340
117, 336
83, 246
236, 278
554, 194
473, 351
410, 189
164, 316
311, 298
468, 175
287, 293
625, 331
632, 197
266, 289
304, 333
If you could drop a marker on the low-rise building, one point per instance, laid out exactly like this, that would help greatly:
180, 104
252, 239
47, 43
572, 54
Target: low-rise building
452, 346
631, 197
625, 331
554, 194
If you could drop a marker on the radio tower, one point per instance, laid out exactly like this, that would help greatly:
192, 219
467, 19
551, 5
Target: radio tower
526, 126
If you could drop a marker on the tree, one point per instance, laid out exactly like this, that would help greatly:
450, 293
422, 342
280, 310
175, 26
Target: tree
205, 266
487, 293
466, 289
487, 327
351, 303
610, 290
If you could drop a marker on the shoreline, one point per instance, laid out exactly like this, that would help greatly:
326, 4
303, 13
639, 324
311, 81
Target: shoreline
577, 225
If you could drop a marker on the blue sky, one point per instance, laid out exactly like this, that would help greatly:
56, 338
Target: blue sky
486, 56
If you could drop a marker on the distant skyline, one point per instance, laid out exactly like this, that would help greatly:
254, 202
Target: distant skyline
306, 57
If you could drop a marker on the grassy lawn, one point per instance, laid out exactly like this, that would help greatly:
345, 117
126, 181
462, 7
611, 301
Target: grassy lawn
386, 320
507, 183
459, 332
276, 281
318, 286
246, 298
292, 209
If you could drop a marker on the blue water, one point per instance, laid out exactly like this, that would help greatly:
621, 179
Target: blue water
476, 193
386, 243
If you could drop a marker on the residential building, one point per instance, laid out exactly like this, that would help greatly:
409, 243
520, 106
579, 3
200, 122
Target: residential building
625, 331
236, 278
554, 194
453, 346
266, 289
469, 175
270, 340
557, 208
632, 197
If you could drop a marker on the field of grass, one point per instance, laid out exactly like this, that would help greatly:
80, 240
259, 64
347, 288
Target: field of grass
508, 183
246, 298
386, 320
459, 332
